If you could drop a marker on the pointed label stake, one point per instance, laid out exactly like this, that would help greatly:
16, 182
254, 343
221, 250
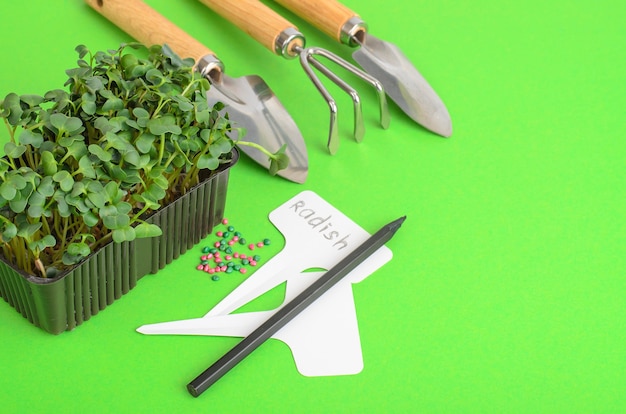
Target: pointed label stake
324, 338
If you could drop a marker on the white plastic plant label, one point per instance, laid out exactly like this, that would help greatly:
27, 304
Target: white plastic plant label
324, 338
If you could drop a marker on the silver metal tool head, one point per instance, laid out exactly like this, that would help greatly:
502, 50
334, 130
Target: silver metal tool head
251, 104
402, 82
308, 59
290, 43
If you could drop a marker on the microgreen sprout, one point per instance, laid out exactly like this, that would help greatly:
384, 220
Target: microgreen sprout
131, 131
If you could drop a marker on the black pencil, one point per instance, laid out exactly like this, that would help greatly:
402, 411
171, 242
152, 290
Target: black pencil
293, 308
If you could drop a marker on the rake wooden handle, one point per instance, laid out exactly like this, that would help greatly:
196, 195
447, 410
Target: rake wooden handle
327, 15
253, 17
149, 27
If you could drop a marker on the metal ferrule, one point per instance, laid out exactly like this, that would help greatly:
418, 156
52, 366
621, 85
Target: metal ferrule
210, 67
288, 42
353, 32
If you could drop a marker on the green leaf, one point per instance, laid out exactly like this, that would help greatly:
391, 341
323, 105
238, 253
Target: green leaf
156, 192
69, 260
123, 208
59, 96
113, 104
93, 186
144, 161
65, 180
27, 230
208, 162
90, 218
102, 123
179, 162
161, 181
99, 152
62, 207
128, 60
90, 108
18, 179
28, 137
58, 120
144, 230
7, 191
20, 201
11, 108
78, 203
48, 163
107, 93
147, 200
49, 146
174, 58
48, 240
132, 157
115, 171
78, 249
78, 189
86, 167
82, 51
32, 100
46, 186
114, 194
220, 146
116, 221
163, 125
88, 103
36, 204
156, 171
144, 142
118, 142
154, 76
140, 112
108, 211
65, 123
39, 245
133, 124
9, 232
94, 84
279, 161
184, 104
203, 117
68, 141
137, 71
14, 151
124, 234
98, 199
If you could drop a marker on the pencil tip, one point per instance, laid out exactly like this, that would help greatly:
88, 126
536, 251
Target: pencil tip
395, 225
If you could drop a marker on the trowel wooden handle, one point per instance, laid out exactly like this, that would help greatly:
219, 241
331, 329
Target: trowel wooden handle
327, 15
149, 27
253, 17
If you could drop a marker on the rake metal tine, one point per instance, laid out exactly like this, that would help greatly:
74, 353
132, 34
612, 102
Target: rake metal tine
333, 134
359, 127
307, 59
380, 90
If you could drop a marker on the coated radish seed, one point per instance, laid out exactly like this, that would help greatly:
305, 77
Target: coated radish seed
229, 237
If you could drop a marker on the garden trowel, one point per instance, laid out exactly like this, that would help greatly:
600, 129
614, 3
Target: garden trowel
249, 101
381, 59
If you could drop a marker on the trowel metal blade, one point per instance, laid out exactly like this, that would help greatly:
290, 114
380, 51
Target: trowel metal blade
251, 104
404, 84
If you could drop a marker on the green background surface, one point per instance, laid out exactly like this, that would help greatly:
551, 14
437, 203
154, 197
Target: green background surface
507, 288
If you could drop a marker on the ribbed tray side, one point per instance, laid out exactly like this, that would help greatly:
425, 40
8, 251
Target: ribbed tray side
61, 304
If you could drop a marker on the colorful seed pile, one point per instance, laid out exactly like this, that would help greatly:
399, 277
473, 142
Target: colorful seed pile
225, 256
